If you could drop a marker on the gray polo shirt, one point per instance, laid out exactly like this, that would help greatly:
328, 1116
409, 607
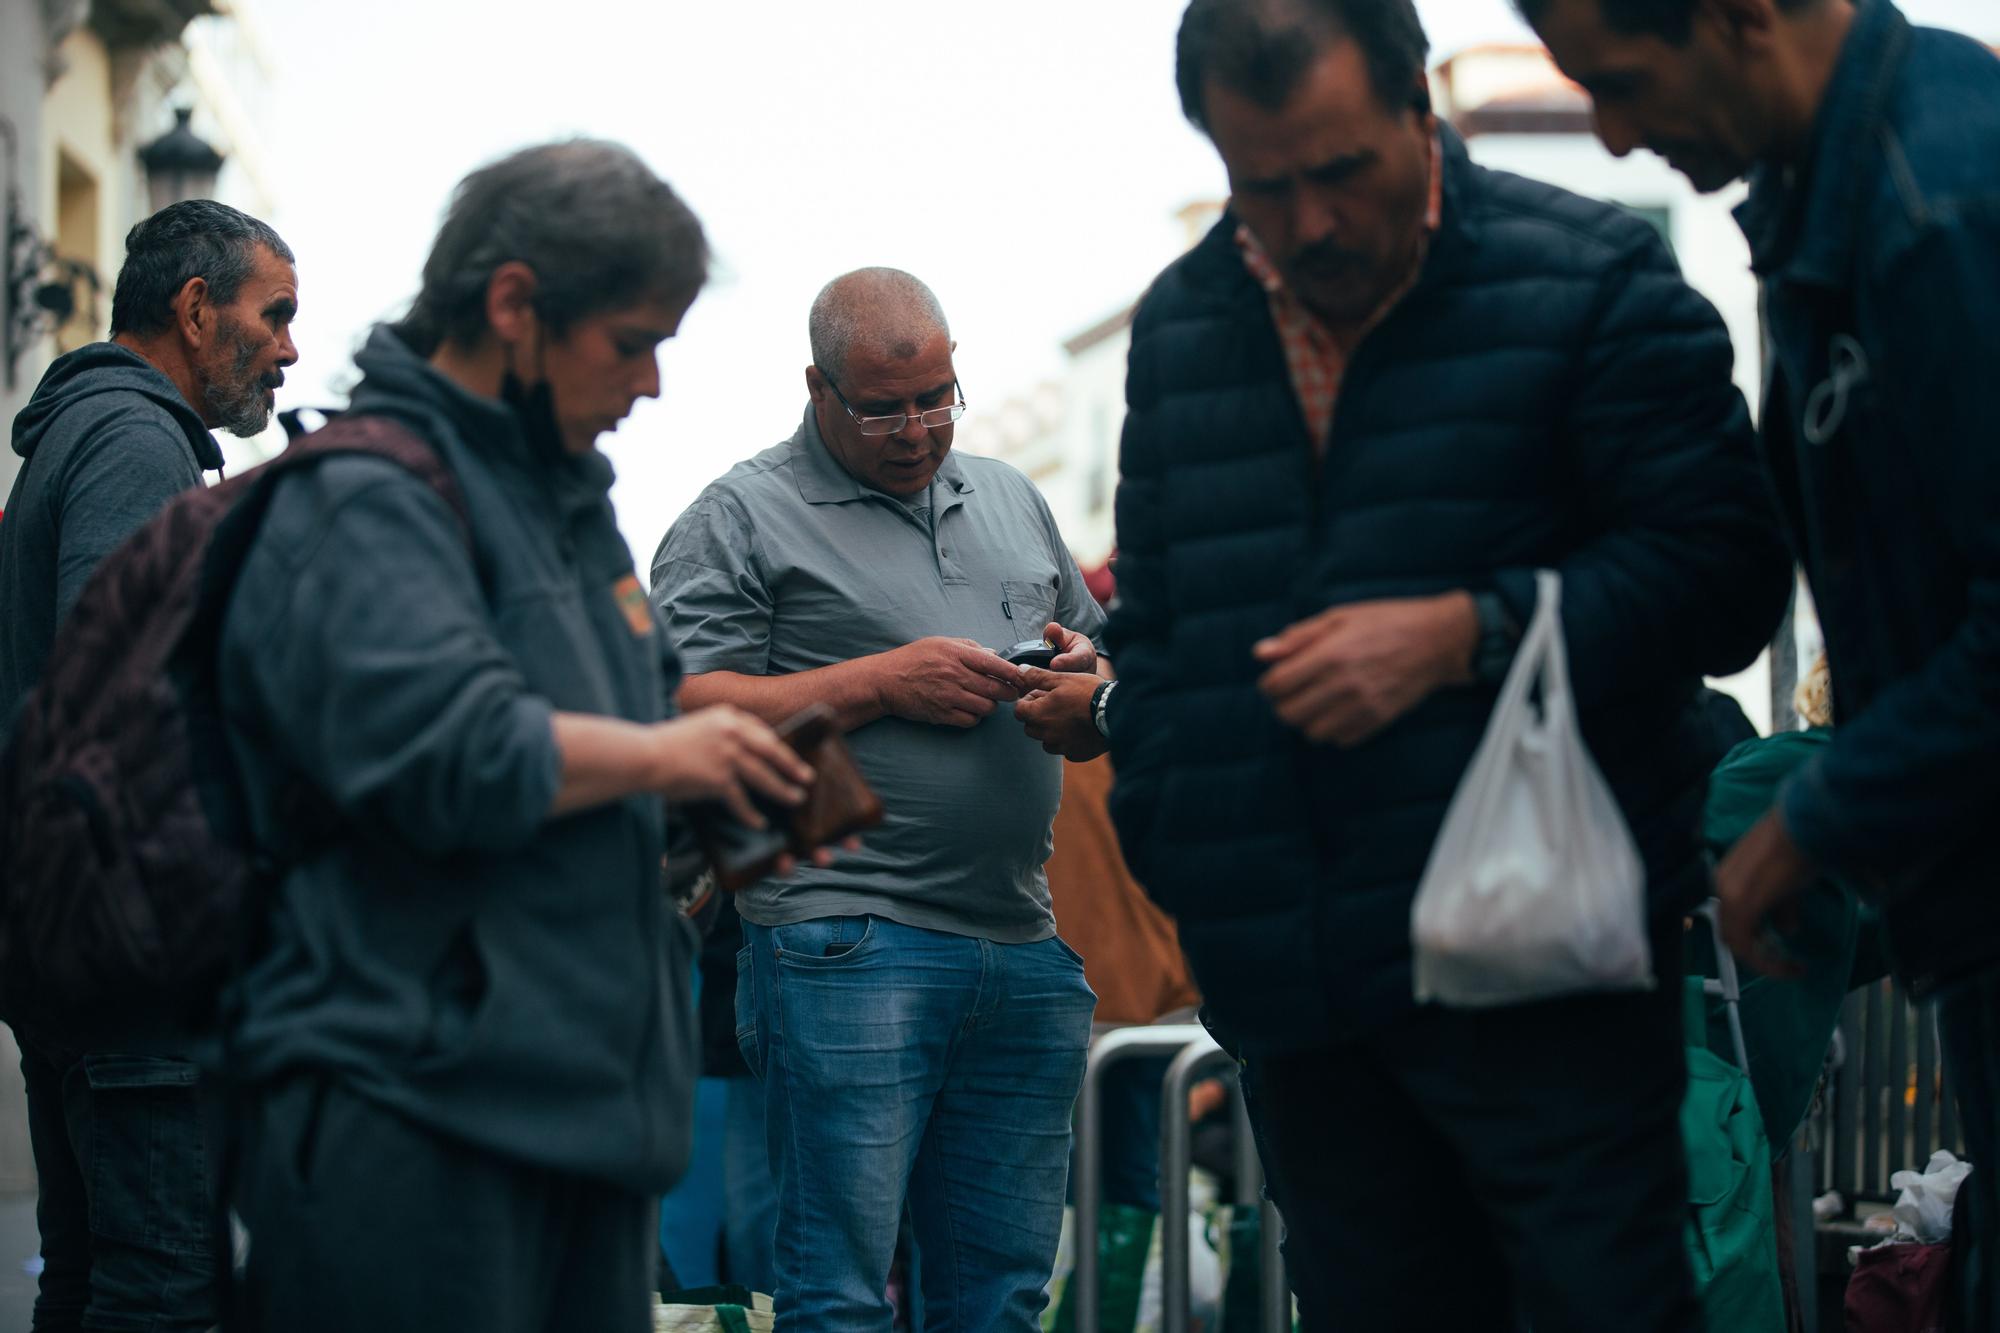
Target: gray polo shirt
787, 563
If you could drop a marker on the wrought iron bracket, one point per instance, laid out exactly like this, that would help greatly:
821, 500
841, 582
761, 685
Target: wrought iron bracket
38, 288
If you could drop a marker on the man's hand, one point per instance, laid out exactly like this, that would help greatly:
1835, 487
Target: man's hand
1759, 882
946, 682
722, 753
1348, 672
1056, 712
1074, 652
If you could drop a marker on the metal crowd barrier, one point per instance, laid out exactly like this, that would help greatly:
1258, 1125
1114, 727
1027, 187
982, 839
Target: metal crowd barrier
1888, 1103
1195, 1056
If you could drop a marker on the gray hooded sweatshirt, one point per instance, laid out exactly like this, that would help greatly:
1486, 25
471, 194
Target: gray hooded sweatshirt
502, 978
107, 440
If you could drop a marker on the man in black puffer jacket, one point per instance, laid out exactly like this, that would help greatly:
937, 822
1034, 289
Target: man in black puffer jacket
1387, 388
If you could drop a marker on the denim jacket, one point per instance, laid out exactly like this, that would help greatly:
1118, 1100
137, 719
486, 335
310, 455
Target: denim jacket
1880, 265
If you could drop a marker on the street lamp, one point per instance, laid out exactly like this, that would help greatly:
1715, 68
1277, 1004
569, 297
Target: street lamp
180, 164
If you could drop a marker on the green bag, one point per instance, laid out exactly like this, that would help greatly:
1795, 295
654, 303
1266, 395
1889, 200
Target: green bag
1124, 1239
719, 1309
1128, 1249
1241, 1245
1731, 1237
1238, 1232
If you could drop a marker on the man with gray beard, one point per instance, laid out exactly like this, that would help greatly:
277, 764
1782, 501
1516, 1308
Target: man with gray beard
126, 1134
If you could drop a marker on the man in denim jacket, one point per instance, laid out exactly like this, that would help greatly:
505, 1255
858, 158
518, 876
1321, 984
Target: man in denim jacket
1874, 225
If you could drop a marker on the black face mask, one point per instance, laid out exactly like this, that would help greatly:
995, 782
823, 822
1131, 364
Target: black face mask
535, 409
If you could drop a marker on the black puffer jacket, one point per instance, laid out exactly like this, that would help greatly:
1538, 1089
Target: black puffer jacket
1550, 394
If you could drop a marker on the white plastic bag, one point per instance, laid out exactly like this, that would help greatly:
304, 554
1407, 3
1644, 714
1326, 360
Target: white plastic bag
1533, 888
1205, 1278
1923, 1208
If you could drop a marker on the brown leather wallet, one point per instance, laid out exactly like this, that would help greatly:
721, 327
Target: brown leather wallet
839, 804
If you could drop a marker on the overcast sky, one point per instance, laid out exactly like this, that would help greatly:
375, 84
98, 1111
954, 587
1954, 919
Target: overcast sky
1024, 158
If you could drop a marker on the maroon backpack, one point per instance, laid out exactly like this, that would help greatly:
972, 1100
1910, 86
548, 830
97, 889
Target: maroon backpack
126, 867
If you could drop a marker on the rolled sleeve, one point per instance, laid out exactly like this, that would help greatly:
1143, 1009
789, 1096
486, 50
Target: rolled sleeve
362, 642
710, 593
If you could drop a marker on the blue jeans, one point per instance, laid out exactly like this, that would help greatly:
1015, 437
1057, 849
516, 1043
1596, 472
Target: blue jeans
694, 1215
749, 1197
903, 1063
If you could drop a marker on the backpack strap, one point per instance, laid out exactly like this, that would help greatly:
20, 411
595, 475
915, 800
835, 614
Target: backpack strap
381, 436
384, 437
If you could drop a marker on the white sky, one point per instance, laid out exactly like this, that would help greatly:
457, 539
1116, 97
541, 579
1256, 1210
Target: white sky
1025, 158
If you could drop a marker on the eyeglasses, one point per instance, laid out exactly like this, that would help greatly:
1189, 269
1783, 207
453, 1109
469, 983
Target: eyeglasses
931, 420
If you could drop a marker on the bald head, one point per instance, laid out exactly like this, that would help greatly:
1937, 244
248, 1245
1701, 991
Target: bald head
885, 310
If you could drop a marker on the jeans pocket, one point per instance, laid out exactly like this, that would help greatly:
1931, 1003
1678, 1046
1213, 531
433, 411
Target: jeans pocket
150, 1168
746, 1010
825, 942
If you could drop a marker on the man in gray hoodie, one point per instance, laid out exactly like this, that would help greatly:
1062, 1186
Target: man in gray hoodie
126, 1135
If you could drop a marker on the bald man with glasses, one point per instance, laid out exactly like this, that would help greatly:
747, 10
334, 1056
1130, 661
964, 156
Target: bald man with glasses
918, 1027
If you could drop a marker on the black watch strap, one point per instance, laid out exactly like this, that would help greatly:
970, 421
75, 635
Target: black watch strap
1100, 700
1499, 636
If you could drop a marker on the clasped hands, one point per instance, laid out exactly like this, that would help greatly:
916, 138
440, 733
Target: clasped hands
959, 682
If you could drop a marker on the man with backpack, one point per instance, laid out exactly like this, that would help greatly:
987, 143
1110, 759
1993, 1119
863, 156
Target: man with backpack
125, 1133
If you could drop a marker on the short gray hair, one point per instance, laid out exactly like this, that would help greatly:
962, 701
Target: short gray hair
882, 307
196, 238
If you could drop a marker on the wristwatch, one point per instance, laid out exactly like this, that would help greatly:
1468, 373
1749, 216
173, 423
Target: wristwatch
1499, 636
1100, 698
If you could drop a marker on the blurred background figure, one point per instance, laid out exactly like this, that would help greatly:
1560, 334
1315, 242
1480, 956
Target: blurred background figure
719, 1223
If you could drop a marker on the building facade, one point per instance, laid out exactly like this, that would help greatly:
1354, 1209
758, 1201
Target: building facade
83, 85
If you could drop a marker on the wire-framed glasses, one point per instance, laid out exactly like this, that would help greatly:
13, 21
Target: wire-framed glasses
930, 420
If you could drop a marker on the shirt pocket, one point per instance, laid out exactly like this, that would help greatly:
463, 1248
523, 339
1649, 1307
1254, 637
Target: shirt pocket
1028, 607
